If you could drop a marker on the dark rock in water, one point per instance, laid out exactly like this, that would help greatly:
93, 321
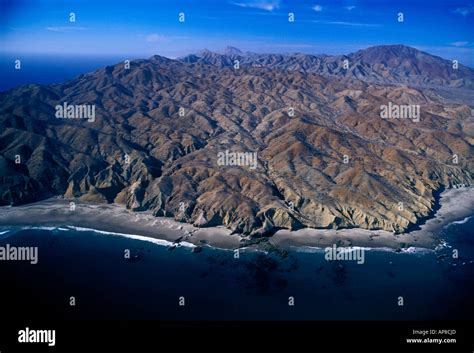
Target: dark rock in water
339, 273
197, 249
172, 247
339, 267
273, 249
134, 258
135, 255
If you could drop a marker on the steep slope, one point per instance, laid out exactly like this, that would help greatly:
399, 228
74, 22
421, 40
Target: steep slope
329, 161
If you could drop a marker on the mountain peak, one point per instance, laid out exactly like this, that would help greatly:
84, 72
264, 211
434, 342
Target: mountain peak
159, 58
396, 48
232, 51
392, 50
204, 52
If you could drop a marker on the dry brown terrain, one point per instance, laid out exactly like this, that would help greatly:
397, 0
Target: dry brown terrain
394, 169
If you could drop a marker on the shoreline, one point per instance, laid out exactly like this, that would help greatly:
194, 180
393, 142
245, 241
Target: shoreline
455, 206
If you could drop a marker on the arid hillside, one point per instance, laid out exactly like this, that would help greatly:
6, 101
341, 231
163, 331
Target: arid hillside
324, 155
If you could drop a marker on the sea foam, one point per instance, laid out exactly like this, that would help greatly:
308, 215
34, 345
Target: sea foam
156, 241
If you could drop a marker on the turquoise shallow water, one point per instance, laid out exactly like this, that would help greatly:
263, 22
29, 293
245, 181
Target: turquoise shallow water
91, 267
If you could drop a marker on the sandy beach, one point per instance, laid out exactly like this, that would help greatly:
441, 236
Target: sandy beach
112, 218
456, 205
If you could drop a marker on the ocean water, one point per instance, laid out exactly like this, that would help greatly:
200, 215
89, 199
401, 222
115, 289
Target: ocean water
47, 69
91, 267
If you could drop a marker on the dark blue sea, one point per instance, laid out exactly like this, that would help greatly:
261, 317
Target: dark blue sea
91, 267
47, 69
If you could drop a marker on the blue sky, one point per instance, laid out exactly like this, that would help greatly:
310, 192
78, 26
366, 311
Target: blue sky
142, 28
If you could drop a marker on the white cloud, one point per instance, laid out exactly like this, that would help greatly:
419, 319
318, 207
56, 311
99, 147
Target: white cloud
65, 29
343, 23
154, 37
317, 8
162, 39
349, 8
464, 11
267, 5
460, 43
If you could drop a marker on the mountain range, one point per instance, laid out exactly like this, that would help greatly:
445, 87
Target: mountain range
325, 157
393, 64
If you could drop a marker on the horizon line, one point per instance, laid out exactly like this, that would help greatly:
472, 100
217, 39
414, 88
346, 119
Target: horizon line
219, 52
